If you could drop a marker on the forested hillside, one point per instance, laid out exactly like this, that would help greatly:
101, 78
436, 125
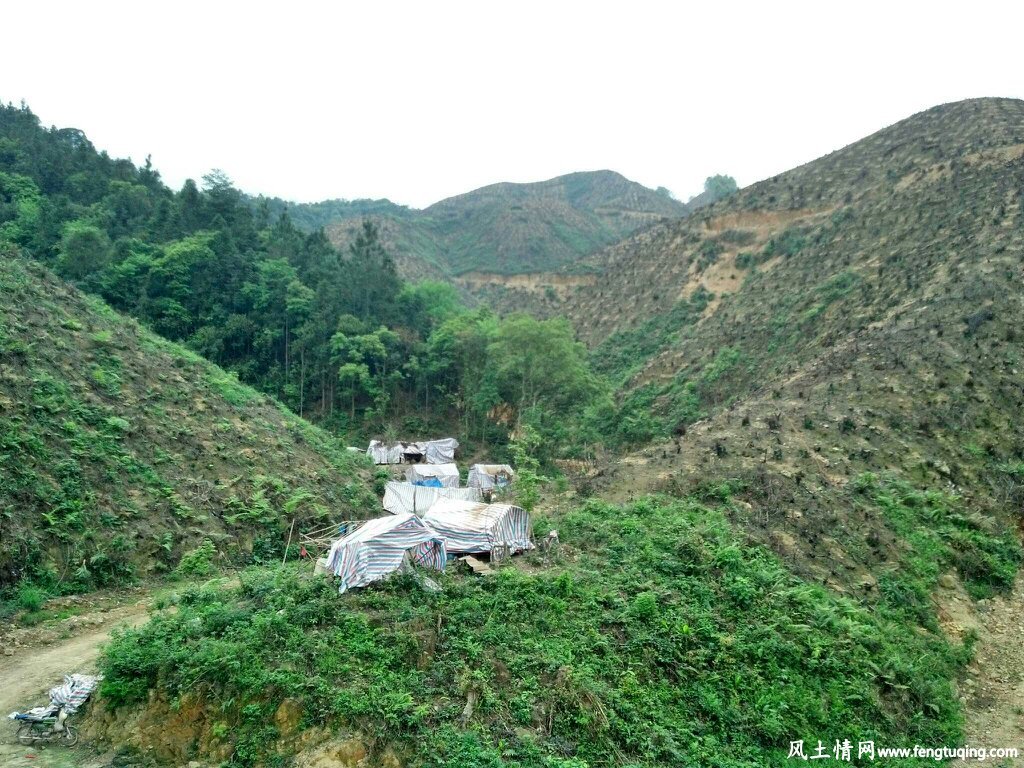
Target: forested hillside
335, 335
309, 217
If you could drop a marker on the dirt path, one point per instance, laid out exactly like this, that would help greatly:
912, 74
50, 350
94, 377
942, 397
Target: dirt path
993, 691
40, 658
32, 671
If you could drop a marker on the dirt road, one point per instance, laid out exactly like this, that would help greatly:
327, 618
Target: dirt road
39, 662
32, 671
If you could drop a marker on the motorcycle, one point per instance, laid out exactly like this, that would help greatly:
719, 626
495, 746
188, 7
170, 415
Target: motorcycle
46, 726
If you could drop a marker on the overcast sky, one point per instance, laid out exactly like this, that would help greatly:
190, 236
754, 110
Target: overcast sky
420, 101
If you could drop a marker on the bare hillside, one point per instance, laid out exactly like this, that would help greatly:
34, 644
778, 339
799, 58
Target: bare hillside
859, 314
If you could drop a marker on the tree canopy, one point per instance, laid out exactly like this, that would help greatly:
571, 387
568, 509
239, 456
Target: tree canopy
719, 186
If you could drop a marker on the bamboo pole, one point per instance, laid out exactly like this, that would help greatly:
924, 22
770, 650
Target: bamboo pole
290, 531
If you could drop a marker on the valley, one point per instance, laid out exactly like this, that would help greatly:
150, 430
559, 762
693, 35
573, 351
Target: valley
775, 432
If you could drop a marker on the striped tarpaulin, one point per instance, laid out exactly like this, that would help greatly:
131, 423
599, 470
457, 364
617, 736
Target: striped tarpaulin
447, 474
378, 547
440, 451
490, 475
469, 527
406, 497
73, 692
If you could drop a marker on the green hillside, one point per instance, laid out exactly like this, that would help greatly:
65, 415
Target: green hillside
120, 451
657, 637
310, 217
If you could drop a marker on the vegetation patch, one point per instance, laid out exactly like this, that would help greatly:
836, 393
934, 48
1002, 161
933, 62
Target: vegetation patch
940, 535
114, 466
622, 354
666, 640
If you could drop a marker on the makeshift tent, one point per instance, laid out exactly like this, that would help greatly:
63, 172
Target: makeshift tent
470, 527
406, 497
379, 547
488, 476
381, 453
430, 451
440, 451
447, 475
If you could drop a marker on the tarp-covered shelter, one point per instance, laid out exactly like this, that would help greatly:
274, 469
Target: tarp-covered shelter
487, 476
406, 497
382, 453
440, 451
471, 527
430, 451
378, 547
436, 475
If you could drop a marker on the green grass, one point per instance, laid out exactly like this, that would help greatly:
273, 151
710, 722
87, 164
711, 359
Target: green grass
664, 639
624, 353
29, 597
230, 388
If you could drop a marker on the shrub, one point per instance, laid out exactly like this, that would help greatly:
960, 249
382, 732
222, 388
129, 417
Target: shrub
198, 562
665, 622
737, 236
29, 597
789, 243
745, 260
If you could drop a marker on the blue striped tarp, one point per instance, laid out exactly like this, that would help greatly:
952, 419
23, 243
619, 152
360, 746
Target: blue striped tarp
378, 547
469, 527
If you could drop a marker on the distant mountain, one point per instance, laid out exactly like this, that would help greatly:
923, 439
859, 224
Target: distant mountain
313, 216
509, 228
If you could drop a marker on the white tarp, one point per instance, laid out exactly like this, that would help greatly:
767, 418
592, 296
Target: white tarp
440, 451
432, 451
381, 453
406, 497
446, 474
488, 476
470, 527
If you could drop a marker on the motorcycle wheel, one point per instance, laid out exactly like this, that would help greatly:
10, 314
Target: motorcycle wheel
70, 735
25, 735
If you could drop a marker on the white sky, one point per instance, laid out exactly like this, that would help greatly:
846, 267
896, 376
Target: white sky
420, 101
